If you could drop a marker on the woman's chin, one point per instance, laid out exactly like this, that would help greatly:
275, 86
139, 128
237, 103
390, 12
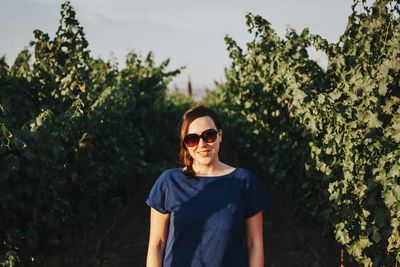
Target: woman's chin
204, 160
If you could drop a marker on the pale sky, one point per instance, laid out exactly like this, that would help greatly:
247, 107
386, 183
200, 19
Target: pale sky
190, 33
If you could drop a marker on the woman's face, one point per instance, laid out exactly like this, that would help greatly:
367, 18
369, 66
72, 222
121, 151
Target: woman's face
204, 153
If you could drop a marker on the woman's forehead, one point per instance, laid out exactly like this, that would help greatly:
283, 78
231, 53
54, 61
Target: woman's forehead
200, 124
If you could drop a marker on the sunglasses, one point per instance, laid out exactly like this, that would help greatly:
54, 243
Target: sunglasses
208, 136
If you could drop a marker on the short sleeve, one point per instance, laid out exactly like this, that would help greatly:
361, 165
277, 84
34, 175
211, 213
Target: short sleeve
255, 197
157, 195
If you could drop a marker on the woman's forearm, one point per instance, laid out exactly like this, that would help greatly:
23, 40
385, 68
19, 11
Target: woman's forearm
256, 255
155, 255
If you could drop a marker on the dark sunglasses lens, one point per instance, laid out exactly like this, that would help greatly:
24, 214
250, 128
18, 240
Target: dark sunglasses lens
210, 136
192, 140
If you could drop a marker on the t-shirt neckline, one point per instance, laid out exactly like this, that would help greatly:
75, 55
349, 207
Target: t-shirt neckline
219, 176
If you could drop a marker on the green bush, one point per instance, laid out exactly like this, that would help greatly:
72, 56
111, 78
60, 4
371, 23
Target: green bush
77, 135
331, 137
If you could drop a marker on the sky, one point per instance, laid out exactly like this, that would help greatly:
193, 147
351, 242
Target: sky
188, 32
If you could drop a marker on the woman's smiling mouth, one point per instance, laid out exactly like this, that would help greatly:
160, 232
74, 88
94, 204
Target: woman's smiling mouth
204, 153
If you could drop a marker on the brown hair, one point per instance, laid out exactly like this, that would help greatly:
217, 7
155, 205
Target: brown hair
190, 115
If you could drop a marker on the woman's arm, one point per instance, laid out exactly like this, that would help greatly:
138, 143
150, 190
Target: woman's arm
157, 239
254, 240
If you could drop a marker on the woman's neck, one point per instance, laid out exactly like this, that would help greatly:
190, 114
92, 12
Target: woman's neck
208, 169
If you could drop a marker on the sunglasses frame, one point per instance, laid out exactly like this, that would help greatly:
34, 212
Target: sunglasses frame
202, 136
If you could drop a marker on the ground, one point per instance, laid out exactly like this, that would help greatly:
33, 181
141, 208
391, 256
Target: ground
123, 242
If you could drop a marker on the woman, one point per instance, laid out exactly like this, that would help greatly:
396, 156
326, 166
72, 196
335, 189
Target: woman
207, 213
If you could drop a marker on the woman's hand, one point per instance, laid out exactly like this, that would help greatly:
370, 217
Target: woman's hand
157, 239
254, 240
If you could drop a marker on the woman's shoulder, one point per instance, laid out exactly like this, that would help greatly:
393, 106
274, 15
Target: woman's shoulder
246, 175
170, 173
244, 172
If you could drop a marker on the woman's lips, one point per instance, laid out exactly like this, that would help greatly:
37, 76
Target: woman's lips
204, 153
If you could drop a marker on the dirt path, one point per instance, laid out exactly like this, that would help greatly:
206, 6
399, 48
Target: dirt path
124, 243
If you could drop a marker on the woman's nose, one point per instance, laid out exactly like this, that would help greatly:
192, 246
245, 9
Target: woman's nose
202, 143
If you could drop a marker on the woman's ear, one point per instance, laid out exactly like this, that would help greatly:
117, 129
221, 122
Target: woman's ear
220, 135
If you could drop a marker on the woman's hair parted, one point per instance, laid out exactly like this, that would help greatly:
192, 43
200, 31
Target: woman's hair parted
190, 115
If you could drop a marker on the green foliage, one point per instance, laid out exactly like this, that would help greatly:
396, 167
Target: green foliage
362, 135
338, 129
61, 65
177, 97
77, 134
9, 259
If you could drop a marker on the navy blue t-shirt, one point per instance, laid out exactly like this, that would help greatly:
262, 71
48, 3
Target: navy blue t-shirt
207, 216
